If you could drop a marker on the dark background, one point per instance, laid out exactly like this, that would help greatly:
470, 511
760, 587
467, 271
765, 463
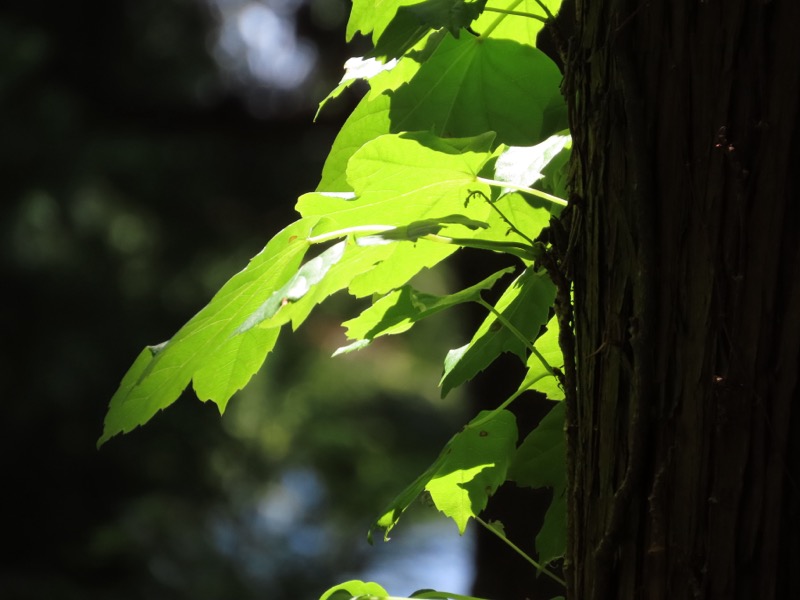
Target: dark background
142, 164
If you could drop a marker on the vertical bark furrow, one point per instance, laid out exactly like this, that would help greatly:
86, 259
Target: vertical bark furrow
720, 95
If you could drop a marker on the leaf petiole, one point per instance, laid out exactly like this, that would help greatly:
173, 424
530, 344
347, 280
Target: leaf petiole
494, 24
519, 551
516, 13
340, 233
522, 251
523, 189
507, 221
489, 416
518, 334
546, 10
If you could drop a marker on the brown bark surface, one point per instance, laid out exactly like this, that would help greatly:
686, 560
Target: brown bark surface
686, 269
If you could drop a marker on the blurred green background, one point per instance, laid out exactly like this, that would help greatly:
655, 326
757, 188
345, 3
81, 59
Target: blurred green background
148, 148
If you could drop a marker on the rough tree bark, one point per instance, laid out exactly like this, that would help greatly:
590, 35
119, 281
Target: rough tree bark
685, 260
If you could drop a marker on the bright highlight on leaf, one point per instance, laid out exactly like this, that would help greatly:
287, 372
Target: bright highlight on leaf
293, 290
357, 68
524, 166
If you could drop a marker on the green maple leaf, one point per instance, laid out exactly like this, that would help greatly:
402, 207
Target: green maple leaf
207, 350
469, 469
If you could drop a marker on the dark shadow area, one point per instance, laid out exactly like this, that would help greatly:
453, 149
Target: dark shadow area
135, 180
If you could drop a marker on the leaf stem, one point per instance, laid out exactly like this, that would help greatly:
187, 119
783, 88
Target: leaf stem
520, 250
506, 323
339, 233
519, 551
493, 25
546, 10
544, 362
486, 418
524, 189
502, 215
516, 13
518, 334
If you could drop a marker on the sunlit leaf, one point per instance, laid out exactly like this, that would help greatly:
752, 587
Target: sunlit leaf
357, 68
473, 85
296, 288
528, 221
403, 262
412, 176
453, 15
434, 595
392, 513
556, 174
402, 178
538, 377
469, 469
369, 120
395, 26
373, 16
353, 588
464, 88
461, 231
517, 28
416, 230
206, 348
330, 272
381, 75
404, 32
523, 166
415, 180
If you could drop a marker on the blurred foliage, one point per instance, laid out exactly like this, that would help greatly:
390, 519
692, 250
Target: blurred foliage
135, 180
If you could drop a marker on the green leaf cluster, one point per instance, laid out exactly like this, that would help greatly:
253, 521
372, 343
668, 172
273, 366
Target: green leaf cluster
460, 142
361, 590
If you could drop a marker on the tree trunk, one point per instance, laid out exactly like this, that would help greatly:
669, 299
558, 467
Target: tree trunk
685, 261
